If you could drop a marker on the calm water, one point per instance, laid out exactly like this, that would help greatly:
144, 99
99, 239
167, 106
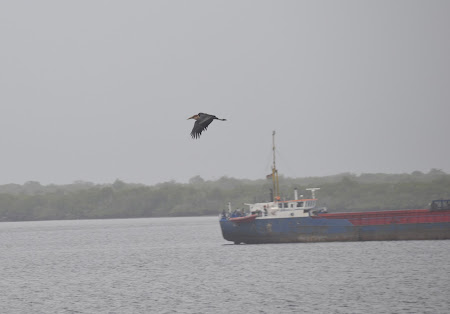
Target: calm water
182, 265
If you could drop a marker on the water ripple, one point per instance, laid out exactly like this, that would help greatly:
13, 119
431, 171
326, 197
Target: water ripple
182, 265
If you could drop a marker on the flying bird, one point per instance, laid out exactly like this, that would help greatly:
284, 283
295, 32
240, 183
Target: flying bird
202, 120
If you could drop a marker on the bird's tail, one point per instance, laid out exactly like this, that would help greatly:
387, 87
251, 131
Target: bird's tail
222, 119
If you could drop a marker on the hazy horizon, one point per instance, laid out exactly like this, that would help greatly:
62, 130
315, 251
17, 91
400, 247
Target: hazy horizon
99, 91
281, 175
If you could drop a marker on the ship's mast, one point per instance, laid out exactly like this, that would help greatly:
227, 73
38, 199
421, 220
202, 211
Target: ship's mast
276, 188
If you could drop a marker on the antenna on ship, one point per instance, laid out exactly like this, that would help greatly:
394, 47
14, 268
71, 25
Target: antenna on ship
276, 188
313, 190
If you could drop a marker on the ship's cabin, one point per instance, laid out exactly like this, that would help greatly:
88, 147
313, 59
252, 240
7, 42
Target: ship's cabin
305, 204
292, 208
298, 207
440, 204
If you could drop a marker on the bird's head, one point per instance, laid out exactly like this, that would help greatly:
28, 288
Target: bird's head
195, 117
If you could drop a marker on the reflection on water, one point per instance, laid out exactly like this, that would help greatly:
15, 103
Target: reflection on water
182, 265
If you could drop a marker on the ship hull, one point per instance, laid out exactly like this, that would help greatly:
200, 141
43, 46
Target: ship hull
386, 226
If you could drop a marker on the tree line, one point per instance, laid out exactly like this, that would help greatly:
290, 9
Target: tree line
343, 192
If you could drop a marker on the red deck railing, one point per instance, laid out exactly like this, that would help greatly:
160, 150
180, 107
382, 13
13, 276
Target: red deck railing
392, 217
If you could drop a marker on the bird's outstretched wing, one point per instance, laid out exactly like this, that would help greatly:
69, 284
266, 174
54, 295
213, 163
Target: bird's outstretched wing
201, 125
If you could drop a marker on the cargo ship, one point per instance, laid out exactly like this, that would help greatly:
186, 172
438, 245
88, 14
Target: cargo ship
300, 220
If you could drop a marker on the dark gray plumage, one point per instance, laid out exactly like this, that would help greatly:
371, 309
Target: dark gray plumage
202, 120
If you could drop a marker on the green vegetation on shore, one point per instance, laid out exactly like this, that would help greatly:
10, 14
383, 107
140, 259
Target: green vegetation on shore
343, 192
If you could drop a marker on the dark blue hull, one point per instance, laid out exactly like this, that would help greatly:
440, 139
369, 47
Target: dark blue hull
307, 229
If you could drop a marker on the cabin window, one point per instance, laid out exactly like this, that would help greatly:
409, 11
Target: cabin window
280, 205
292, 205
299, 204
286, 205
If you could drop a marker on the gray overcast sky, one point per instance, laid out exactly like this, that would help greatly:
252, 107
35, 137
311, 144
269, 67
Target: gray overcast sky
101, 90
